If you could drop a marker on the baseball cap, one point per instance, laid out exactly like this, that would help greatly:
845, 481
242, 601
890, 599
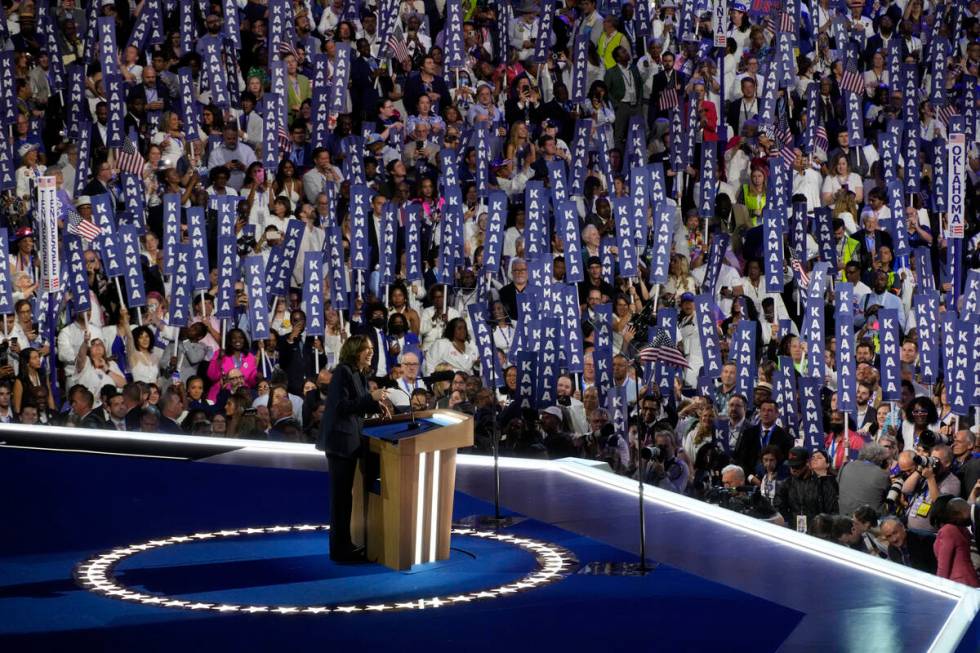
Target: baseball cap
554, 411
687, 297
798, 457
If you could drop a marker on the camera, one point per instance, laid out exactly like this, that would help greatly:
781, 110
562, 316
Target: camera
894, 492
645, 318
926, 461
655, 454
564, 401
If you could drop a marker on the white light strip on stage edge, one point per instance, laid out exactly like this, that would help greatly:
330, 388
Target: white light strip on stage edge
960, 618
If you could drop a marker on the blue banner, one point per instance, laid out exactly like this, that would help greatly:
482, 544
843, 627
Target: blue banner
339, 281
889, 355
197, 234
716, 256
320, 101
77, 273
537, 232
103, 212
129, 246
625, 240
709, 181
454, 48
112, 260
855, 117
744, 356
580, 155
171, 229
258, 306
957, 346
708, 335
573, 349
313, 294
545, 387
926, 305
845, 363
387, 261
108, 51
811, 413
361, 198
180, 286
526, 379
227, 252
341, 78
772, 234
662, 242
566, 219
785, 392
580, 68
6, 298
413, 243
483, 338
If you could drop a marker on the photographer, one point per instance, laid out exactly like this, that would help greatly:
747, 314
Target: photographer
735, 495
864, 481
572, 409
660, 467
927, 477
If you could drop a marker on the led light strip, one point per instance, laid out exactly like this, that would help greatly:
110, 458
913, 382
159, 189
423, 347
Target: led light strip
96, 575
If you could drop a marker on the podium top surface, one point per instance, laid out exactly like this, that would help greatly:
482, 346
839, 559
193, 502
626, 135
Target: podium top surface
400, 430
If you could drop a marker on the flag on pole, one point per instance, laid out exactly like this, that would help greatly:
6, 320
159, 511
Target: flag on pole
668, 99
820, 140
663, 350
396, 44
79, 226
802, 276
128, 158
851, 80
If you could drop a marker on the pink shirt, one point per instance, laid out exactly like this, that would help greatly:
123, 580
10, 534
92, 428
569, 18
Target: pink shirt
222, 364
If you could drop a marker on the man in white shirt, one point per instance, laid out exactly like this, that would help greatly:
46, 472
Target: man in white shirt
316, 179
409, 381
806, 180
234, 155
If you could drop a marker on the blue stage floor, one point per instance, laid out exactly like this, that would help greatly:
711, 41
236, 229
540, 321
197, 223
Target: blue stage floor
723, 582
70, 506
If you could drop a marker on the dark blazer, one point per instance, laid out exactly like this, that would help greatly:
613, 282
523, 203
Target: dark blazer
163, 94
93, 420
921, 555
748, 449
616, 82
348, 400
300, 359
881, 237
169, 426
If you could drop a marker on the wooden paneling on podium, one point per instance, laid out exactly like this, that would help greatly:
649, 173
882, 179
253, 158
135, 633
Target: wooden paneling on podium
407, 519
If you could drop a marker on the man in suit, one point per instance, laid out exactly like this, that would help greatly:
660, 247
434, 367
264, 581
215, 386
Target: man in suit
298, 352
155, 96
171, 406
909, 547
374, 330
871, 238
739, 111
864, 416
99, 146
666, 78
82, 401
348, 401
880, 41
626, 92
748, 449
101, 183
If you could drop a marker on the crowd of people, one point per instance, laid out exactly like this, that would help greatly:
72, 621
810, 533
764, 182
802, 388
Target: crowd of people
733, 125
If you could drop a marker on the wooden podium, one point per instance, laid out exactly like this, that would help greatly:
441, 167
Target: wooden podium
407, 520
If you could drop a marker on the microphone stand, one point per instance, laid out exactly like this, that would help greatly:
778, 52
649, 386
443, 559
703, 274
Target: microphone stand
641, 568
413, 424
495, 521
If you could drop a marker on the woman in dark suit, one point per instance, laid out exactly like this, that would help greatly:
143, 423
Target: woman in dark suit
349, 400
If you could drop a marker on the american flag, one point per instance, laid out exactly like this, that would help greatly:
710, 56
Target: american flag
662, 350
668, 99
801, 272
128, 158
79, 226
851, 80
786, 23
398, 48
946, 113
285, 143
285, 48
820, 139
788, 154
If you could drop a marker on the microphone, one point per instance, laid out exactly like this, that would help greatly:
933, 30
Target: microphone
411, 409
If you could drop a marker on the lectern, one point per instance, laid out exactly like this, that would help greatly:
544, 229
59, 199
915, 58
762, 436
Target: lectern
406, 519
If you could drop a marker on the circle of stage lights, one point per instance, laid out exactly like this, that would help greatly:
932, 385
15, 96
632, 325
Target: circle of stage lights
96, 575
